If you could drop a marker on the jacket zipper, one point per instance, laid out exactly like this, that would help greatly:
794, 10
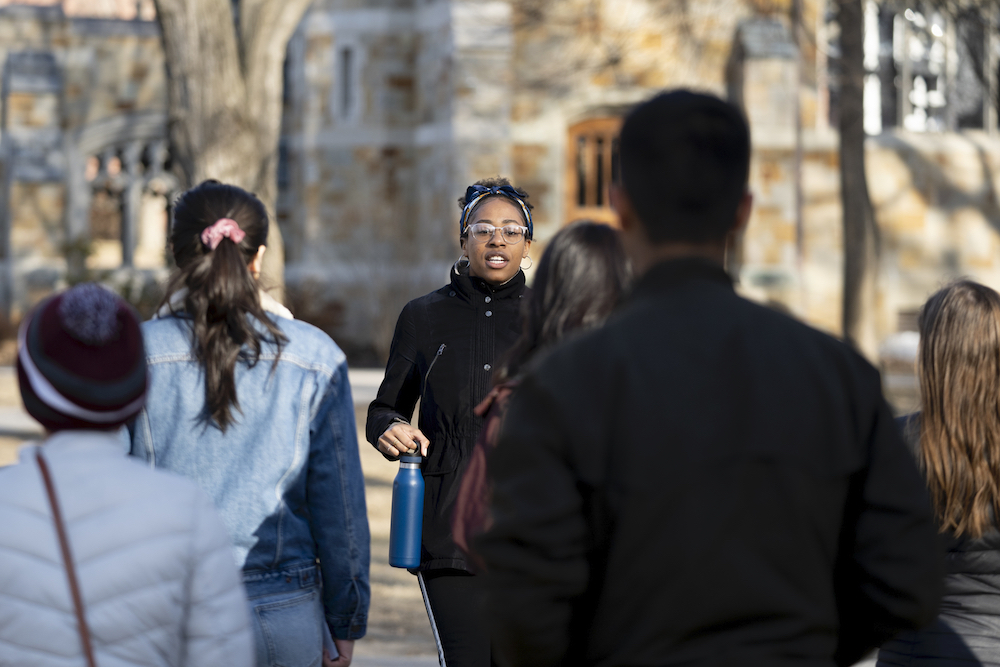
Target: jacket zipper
424, 389
431, 367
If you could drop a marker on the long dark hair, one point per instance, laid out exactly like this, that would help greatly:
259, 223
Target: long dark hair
580, 278
221, 292
959, 370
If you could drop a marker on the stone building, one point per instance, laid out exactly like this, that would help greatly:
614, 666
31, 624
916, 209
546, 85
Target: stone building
82, 148
393, 106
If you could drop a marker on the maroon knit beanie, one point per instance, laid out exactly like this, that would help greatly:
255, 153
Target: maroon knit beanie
80, 360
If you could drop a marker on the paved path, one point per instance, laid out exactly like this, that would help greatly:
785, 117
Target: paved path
399, 661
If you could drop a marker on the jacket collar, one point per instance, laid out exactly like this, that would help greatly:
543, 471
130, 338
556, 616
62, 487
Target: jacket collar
673, 272
267, 302
93, 443
462, 282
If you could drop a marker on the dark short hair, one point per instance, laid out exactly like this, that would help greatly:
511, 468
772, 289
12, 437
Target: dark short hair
685, 159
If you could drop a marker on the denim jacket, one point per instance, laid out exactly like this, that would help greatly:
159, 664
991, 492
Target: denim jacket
286, 476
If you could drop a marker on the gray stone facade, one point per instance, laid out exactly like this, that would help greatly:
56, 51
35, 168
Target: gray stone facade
392, 107
82, 113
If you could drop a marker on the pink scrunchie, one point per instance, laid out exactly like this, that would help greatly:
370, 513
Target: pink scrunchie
220, 229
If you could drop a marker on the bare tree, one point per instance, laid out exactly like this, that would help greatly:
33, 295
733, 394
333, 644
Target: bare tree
224, 69
861, 239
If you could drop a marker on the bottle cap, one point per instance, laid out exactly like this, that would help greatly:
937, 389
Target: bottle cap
410, 458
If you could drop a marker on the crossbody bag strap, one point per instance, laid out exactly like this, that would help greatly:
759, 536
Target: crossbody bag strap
67, 556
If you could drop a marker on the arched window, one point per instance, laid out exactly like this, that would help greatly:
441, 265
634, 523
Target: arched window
592, 152
129, 186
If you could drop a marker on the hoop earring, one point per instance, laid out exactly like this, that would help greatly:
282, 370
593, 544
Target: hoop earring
458, 266
531, 262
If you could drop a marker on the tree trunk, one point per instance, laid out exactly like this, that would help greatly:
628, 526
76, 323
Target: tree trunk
860, 232
224, 96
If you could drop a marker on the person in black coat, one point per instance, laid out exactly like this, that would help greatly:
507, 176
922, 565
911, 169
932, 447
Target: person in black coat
702, 481
956, 439
443, 352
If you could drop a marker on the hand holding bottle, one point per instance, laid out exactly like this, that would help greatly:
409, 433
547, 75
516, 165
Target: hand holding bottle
400, 438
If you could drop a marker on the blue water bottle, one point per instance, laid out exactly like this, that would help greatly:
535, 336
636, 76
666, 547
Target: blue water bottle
406, 523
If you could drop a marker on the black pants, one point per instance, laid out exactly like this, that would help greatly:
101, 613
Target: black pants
457, 600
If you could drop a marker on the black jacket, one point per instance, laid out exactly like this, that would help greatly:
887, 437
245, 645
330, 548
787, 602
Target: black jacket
967, 630
442, 353
704, 481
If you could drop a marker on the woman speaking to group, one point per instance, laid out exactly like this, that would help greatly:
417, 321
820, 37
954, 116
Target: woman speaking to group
443, 352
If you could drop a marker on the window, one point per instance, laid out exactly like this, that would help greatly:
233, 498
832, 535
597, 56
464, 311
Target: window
591, 168
284, 165
345, 87
930, 66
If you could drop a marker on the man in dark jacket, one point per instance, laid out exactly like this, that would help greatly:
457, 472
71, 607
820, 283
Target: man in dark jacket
704, 480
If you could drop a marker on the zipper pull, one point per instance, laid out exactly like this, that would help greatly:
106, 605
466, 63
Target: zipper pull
429, 369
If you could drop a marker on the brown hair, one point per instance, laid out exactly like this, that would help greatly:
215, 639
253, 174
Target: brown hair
959, 370
221, 293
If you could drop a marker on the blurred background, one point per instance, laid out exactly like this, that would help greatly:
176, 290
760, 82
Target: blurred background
359, 123
383, 111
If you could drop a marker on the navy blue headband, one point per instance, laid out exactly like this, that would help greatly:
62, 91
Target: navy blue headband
475, 193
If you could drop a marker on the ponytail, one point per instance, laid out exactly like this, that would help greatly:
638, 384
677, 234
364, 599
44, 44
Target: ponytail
222, 299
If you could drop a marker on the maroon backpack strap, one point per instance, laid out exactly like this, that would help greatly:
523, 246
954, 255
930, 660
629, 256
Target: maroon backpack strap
67, 556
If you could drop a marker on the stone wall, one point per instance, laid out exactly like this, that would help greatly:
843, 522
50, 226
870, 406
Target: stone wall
576, 60
934, 197
369, 154
393, 107
935, 203
379, 148
63, 77
450, 92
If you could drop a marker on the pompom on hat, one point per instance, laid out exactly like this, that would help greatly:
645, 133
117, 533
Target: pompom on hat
81, 362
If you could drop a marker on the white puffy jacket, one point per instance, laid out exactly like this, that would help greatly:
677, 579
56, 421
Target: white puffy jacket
153, 559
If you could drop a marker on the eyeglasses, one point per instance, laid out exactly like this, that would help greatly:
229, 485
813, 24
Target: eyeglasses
482, 232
